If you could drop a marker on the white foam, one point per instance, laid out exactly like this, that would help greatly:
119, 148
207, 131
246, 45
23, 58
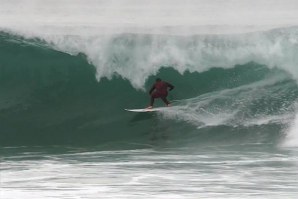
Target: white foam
97, 29
136, 57
231, 107
291, 139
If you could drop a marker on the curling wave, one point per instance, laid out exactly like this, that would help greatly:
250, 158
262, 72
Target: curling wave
73, 89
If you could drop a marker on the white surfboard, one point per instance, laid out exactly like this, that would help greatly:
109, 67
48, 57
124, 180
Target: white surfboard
143, 110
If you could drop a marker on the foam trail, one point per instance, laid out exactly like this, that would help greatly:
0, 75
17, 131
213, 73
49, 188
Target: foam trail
230, 106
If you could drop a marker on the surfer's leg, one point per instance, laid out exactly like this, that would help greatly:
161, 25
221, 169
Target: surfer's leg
164, 99
151, 102
153, 96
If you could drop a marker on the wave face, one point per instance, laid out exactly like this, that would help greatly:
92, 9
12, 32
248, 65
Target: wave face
73, 89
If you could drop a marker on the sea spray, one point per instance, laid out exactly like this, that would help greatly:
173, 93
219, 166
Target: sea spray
137, 56
291, 139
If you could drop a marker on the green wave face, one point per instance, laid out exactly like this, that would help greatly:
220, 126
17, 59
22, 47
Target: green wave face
49, 97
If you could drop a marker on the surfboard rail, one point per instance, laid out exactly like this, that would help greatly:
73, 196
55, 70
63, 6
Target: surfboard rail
144, 110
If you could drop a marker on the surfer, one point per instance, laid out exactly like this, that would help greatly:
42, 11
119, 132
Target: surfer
160, 90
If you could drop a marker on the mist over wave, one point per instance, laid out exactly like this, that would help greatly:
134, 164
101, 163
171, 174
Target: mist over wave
131, 14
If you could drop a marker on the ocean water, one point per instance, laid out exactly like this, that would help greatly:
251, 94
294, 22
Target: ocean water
68, 69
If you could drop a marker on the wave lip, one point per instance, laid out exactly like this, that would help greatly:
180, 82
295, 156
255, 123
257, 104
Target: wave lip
120, 37
138, 56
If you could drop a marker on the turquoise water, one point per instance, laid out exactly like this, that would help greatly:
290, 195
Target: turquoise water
54, 98
66, 76
64, 134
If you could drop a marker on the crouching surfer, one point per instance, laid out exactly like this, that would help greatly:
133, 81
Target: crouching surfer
160, 90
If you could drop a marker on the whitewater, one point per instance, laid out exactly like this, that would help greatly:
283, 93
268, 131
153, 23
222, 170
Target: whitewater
69, 68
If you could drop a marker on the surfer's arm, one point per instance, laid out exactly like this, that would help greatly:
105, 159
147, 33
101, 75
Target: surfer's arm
152, 89
170, 86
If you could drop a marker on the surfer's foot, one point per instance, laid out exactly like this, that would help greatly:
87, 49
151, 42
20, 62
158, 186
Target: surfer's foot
149, 107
